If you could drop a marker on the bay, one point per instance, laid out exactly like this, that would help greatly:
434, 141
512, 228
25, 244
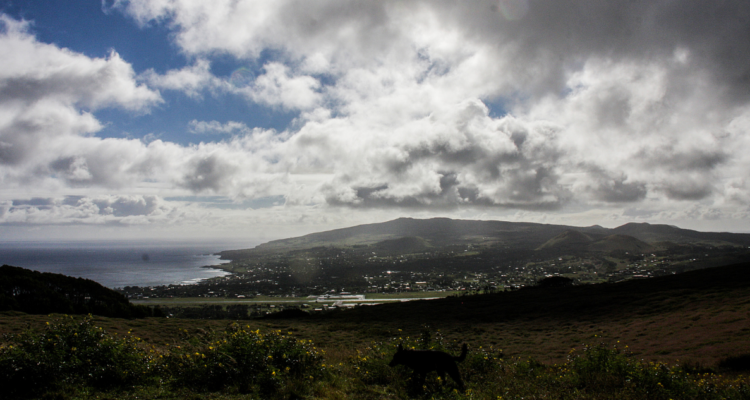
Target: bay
116, 264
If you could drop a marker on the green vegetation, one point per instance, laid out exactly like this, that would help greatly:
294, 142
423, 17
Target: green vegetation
408, 255
35, 292
592, 372
686, 336
72, 358
71, 354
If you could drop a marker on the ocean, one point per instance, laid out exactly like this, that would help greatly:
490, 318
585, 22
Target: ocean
117, 264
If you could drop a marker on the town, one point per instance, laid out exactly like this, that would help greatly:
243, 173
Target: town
458, 269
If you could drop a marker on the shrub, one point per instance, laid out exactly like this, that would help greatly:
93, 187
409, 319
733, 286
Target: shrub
245, 359
600, 369
600, 366
70, 353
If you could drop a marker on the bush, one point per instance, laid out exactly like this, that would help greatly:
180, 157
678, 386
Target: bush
244, 359
73, 358
70, 353
601, 369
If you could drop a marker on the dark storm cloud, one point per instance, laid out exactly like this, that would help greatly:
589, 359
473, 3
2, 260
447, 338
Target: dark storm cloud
35, 201
208, 173
20, 140
551, 38
691, 159
615, 188
554, 36
689, 190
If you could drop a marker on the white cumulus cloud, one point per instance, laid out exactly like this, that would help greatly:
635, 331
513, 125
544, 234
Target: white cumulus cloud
597, 109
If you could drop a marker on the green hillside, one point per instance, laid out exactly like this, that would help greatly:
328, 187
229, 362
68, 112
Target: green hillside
620, 243
36, 292
683, 336
566, 240
443, 232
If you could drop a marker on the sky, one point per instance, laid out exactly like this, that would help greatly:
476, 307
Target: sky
257, 120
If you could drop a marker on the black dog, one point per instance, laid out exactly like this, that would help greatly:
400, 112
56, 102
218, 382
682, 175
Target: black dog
424, 361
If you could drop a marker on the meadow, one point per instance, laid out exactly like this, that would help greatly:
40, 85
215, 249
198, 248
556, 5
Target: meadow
75, 357
679, 337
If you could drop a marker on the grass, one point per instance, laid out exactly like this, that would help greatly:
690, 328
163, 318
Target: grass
685, 338
73, 358
701, 327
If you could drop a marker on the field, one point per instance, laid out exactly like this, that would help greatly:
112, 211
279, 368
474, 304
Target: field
675, 337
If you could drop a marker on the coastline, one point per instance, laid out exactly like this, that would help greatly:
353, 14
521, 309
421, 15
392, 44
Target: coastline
119, 264
229, 271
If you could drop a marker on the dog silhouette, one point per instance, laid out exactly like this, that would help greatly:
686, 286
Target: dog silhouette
424, 361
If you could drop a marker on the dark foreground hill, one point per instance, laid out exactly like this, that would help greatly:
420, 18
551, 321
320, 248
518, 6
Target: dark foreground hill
694, 323
35, 292
695, 317
605, 300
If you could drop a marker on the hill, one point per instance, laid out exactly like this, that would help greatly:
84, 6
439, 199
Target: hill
567, 239
403, 245
606, 300
35, 292
444, 232
574, 241
621, 243
446, 254
697, 317
657, 233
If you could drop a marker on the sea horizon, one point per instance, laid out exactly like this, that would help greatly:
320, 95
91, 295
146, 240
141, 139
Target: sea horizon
121, 263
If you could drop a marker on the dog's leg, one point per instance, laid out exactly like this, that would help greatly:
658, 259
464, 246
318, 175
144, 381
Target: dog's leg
453, 372
417, 379
422, 378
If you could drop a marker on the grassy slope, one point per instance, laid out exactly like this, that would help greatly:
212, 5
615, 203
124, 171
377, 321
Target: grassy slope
696, 317
439, 232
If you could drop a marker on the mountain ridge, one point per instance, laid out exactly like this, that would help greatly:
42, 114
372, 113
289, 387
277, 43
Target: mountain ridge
438, 232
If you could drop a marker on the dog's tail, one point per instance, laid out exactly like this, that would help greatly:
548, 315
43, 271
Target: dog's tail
462, 357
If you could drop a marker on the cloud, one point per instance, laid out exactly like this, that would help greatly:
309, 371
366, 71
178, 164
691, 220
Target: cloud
278, 87
39, 71
533, 49
615, 189
110, 209
216, 127
47, 95
208, 173
192, 79
537, 106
